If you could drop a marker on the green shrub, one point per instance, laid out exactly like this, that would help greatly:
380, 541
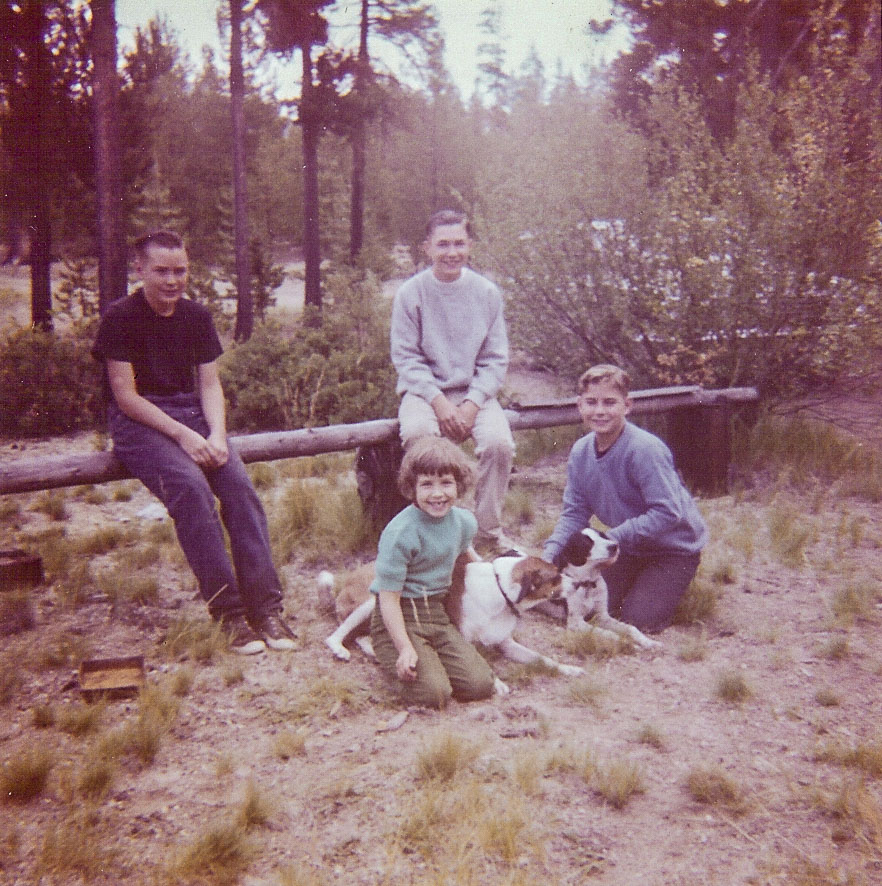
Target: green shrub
49, 383
335, 373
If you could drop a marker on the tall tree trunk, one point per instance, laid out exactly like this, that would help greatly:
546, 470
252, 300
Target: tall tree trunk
244, 300
358, 141
112, 266
37, 181
310, 125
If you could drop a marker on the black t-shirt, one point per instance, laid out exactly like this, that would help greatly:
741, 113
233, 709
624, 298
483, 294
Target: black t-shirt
164, 351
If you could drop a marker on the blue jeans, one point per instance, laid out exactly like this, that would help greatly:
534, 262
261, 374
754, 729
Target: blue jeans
644, 589
247, 586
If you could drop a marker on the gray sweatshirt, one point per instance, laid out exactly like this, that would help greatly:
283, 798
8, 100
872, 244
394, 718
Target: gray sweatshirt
448, 336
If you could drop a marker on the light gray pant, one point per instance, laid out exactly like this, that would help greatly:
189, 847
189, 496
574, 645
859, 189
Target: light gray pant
494, 447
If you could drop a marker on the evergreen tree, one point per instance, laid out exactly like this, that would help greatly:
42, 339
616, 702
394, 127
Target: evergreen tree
43, 130
298, 25
107, 148
244, 300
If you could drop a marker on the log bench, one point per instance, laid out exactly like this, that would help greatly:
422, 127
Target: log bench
698, 432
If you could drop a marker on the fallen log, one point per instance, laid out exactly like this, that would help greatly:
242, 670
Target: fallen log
52, 472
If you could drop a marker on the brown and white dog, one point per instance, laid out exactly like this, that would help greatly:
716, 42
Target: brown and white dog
485, 601
582, 559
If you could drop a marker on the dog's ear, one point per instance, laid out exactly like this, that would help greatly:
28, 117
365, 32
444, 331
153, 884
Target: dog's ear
527, 583
577, 550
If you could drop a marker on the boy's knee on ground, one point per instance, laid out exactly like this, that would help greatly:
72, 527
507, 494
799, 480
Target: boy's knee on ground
649, 616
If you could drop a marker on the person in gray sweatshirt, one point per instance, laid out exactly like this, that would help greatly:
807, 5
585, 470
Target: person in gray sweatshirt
450, 349
625, 476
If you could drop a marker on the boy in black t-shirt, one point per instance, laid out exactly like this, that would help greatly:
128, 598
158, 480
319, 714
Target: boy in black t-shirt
168, 422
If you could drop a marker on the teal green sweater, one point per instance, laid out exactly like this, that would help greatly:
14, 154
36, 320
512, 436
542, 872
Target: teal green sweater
416, 553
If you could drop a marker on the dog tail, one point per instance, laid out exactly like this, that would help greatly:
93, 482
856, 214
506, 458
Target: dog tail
325, 583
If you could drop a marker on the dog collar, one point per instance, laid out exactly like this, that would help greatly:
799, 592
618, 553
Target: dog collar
508, 601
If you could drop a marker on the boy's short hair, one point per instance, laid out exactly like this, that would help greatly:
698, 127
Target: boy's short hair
161, 239
434, 456
447, 217
606, 372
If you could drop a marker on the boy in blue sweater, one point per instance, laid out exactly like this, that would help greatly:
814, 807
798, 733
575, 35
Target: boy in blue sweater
625, 476
414, 640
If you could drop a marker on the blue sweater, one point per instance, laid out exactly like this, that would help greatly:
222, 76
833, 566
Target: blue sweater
416, 552
633, 489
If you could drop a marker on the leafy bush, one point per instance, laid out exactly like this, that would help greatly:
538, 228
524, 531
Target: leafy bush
751, 260
338, 372
49, 383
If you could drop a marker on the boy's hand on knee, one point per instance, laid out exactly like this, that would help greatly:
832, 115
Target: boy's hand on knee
449, 421
220, 453
406, 664
468, 412
196, 446
205, 452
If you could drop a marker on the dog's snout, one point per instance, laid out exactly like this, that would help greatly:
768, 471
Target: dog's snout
613, 548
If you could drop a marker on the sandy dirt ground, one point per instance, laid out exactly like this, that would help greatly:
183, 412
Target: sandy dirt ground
747, 750
565, 781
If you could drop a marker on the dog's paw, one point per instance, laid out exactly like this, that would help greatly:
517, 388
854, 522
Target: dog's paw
500, 688
325, 582
571, 670
366, 646
339, 650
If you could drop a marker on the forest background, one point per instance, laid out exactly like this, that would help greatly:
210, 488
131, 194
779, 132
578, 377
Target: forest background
706, 208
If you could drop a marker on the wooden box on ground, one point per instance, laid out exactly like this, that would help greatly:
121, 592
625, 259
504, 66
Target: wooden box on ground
19, 569
112, 677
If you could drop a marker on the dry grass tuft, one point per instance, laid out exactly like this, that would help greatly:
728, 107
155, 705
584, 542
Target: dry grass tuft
96, 778
587, 691
617, 781
857, 812
24, 777
653, 737
81, 719
218, 856
693, 649
594, 644
836, 648
199, 639
101, 541
289, 744
711, 786
855, 602
699, 604
866, 756
75, 845
256, 808
733, 688
445, 756
326, 695
789, 534
827, 697
53, 504
157, 711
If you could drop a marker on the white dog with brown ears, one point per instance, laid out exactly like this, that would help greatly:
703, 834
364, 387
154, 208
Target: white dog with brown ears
485, 601
582, 559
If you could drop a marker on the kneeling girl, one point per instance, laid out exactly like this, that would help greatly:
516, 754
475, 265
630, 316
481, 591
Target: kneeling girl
415, 642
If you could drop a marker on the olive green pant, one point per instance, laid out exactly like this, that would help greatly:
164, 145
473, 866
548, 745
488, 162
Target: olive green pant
447, 664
